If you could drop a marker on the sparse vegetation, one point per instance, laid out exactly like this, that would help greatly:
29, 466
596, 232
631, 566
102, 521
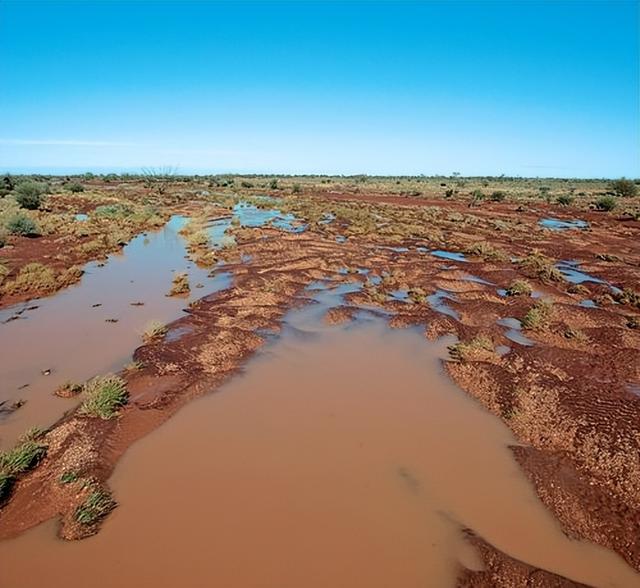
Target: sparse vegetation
180, 285
540, 266
519, 287
30, 194
624, 188
29, 450
98, 504
538, 316
105, 395
153, 330
479, 348
21, 224
606, 203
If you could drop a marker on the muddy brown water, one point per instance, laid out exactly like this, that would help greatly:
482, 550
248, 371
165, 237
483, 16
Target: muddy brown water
340, 457
69, 335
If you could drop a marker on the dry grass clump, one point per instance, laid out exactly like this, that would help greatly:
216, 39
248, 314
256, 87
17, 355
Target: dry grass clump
479, 348
105, 395
33, 277
519, 287
486, 251
40, 279
180, 285
538, 316
68, 390
153, 330
540, 266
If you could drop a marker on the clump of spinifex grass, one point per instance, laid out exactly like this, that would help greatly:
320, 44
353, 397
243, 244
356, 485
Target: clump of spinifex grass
486, 251
479, 348
98, 504
180, 285
24, 456
153, 330
519, 287
538, 265
538, 315
105, 395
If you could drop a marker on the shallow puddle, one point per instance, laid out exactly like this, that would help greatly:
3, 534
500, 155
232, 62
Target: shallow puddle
556, 224
71, 335
450, 255
345, 459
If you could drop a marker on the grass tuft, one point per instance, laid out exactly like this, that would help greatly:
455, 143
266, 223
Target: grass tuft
153, 330
538, 315
519, 287
105, 395
97, 505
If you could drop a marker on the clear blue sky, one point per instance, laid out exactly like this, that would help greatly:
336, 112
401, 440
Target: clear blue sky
523, 88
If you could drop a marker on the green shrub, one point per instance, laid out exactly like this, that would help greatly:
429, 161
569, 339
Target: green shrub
297, 189
113, 211
21, 224
105, 395
498, 196
606, 203
7, 185
565, 199
30, 194
75, 187
97, 505
274, 185
624, 188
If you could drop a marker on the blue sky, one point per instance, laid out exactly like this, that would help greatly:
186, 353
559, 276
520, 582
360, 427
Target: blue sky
484, 88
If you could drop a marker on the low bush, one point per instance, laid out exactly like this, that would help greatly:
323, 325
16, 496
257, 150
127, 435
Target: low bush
498, 196
75, 187
565, 199
21, 224
606, 203
104, 396
624, 188
30, 194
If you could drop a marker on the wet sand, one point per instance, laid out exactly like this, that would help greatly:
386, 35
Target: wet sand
340, 457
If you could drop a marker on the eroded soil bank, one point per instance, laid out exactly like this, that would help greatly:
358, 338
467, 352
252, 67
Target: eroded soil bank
339, 457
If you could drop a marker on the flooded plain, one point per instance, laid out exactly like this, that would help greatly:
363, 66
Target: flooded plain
340, 457
92, 327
